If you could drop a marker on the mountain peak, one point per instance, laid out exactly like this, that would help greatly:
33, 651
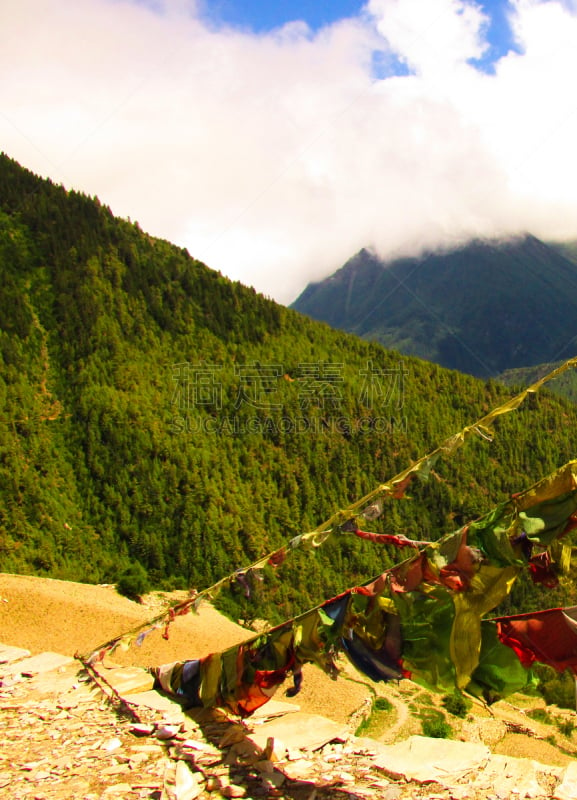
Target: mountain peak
482, 307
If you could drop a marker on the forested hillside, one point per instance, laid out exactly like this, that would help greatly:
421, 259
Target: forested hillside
154, 412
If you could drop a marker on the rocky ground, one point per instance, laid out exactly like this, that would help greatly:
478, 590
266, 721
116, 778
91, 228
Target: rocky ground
68, 734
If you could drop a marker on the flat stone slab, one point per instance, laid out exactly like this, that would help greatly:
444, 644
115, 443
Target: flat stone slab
154, 700
508, 776
299, 731
567, 789
274, 708
37, 665
469, 767
126, 680
9, 654
423, 759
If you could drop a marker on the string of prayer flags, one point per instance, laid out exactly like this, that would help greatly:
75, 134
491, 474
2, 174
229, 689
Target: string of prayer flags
421, 619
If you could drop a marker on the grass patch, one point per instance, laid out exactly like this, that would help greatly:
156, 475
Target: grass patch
565, 727
379, 719
364, 727
382, 704
540, 715
434, 724
456, 704
426, 700
436, 729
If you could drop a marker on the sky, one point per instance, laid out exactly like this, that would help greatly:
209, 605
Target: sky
275, 140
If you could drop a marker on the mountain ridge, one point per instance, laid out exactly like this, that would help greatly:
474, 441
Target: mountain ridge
481, 308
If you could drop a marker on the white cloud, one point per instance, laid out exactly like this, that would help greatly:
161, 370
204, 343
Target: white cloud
433, 37
274, 158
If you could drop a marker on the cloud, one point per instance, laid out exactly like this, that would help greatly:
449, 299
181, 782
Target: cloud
275, 157
436, 37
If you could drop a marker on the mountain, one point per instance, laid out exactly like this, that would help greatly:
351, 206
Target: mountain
157, 417
565, 385
481, 308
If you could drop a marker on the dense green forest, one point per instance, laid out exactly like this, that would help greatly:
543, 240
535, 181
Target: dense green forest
158, 414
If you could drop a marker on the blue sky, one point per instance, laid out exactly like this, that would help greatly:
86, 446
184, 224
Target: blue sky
499, 34
275, 153
262, 16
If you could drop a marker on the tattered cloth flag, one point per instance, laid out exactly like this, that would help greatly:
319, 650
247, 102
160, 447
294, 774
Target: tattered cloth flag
511, 645
422, 619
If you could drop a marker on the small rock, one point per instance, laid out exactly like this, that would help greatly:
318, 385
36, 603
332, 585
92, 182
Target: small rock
381, 784
186, 786
114, 769
140, 729
183, 755
275, 749
193, 744
235, 733
274, 781
112, 744
118, 788
137, 759
213, 783
233, 790
245, 752
167, 732
64, 762
265, 766
39, 775
295, 769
